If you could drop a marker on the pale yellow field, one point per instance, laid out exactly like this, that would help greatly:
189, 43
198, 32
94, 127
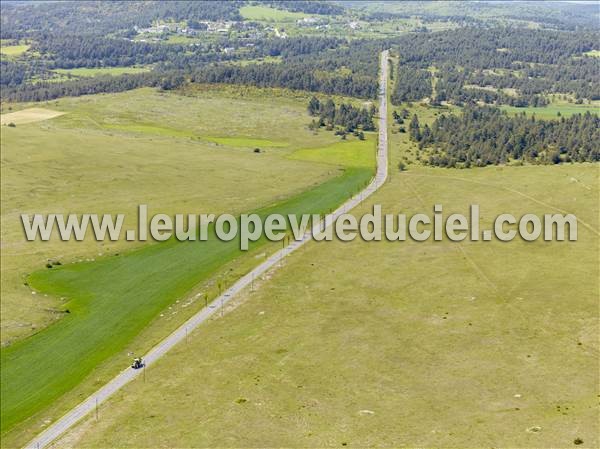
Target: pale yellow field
29, 115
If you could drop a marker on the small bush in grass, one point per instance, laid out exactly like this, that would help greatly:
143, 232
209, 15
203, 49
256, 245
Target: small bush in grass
12, 125
257, 150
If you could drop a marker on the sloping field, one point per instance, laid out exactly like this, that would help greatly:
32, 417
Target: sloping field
103, 156
258, 12
111, 297
29, 115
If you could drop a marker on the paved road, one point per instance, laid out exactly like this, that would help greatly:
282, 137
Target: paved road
55, 430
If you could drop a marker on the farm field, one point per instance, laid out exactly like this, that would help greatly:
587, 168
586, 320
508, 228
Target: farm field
28, 115
459, 345
85, 155
264, 13
182, 266
551, 111
13, 50
95, 71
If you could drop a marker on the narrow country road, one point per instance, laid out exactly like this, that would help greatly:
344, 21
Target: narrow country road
55, 430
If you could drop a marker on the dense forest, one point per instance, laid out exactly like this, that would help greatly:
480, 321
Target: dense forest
411, 84
483, 136
318, 64
499, 65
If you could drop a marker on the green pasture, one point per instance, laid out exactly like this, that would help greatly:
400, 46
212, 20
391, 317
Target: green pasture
551, 111
95, 71
13, 50
246, 142
110, 298
264, 13
364, 344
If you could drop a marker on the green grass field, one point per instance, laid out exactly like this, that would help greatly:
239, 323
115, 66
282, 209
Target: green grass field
246, 142
435, 344
257, 12
351, 153
85, 161
95, 71
111, 299
551, 111
13, 50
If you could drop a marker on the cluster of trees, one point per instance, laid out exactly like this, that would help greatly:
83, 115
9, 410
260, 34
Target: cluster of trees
411, 84
12, 74
346, 117
532, 63
457, 86
578, 76
483, 136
